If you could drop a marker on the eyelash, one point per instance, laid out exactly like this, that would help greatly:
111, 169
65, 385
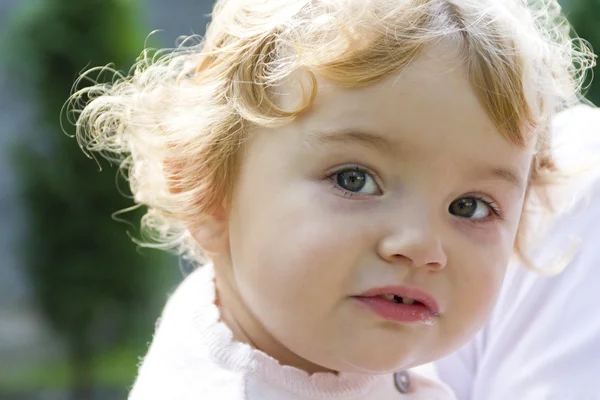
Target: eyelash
496, 213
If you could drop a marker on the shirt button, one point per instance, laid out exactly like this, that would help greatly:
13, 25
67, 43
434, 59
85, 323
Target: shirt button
402, 381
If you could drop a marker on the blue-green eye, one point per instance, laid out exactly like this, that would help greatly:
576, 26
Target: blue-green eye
471, 208
356, 180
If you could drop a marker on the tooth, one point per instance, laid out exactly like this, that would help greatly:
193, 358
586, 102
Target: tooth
407, 301
389, 297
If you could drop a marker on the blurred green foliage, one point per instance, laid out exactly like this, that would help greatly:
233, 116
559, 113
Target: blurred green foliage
90, 282
584, 15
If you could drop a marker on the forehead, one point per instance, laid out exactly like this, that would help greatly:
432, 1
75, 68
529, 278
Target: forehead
430, 107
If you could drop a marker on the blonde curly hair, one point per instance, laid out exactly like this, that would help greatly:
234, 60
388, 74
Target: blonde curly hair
177, 121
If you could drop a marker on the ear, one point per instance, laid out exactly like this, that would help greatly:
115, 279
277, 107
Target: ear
212, 233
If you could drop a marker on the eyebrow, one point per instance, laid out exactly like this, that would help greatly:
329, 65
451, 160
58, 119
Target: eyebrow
360, 138
396, 147
506, 175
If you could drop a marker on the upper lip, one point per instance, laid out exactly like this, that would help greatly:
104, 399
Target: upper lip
404, 291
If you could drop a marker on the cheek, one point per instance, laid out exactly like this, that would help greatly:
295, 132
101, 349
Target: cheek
479, 263
475, 289
481, 289
293, 260
291, 244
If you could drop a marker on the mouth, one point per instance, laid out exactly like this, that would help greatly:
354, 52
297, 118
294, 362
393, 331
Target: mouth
403, 300
401, 304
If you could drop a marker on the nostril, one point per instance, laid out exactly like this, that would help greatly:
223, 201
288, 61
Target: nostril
412, 251
408, 262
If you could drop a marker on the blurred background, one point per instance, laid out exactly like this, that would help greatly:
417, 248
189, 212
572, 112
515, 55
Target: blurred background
78, 300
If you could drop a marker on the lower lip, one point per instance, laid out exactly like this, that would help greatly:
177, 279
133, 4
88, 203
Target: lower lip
398, 312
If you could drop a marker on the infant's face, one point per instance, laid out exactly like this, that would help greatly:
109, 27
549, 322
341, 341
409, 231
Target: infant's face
419, 193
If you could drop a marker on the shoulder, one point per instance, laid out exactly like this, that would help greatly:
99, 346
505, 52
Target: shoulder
178, 363
188, 385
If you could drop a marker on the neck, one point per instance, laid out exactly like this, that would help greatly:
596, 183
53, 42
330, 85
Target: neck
248, 329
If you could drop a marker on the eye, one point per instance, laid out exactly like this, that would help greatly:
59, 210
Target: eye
356, 180
472, 208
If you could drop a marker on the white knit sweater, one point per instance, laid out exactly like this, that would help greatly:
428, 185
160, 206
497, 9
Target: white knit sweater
193, 356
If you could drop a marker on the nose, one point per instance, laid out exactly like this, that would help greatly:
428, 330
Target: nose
413, 241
